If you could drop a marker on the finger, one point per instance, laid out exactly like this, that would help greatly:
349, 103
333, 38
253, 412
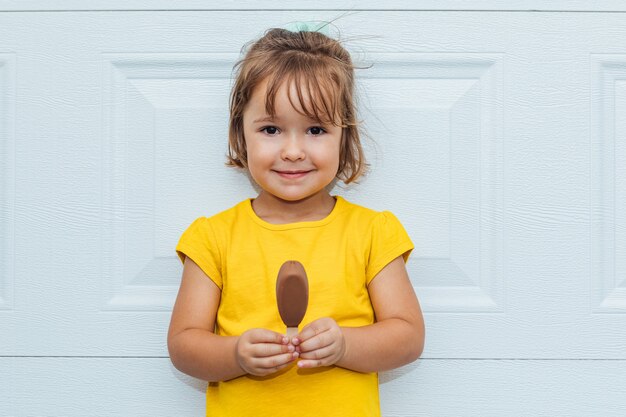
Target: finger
309, 331
311, 363
317, 342
261, 350
269, 371
275, 361
319, 354
267, 336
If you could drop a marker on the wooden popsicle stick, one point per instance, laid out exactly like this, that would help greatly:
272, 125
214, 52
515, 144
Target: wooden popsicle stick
291, 332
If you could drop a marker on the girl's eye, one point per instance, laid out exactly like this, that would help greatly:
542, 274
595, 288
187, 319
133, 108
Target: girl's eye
316, 130
270, 130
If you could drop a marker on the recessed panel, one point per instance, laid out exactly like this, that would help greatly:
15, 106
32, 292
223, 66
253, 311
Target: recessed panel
167, 119
7, 179
609, 183
436, 129
167, 147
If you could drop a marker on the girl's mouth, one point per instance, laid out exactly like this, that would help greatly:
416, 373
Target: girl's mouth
292, 174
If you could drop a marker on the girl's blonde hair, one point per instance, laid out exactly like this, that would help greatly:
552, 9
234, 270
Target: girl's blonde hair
318, 66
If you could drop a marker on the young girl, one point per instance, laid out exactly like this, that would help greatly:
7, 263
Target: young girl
293, 127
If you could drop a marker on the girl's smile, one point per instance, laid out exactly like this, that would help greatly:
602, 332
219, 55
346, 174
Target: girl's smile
292, 174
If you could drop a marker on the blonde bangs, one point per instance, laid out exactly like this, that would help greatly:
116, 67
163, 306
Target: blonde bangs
316, 95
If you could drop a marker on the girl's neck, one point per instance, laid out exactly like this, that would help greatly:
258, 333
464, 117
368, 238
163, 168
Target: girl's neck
277, 211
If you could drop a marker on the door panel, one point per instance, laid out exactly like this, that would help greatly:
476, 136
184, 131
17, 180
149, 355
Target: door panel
497, 138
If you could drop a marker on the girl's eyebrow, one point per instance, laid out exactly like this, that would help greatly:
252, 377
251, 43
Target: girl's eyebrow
264, 119
273, 119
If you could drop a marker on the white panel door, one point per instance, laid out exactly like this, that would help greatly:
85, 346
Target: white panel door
499, 140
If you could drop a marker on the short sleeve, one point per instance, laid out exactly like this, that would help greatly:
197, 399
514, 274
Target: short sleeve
388, 240
198, 243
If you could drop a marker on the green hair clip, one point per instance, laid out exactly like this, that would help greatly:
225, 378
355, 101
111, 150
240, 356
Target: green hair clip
321, 27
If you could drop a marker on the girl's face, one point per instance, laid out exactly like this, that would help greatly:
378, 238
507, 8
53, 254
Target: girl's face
289, 156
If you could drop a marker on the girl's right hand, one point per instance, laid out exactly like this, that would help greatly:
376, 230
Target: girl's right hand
263, 352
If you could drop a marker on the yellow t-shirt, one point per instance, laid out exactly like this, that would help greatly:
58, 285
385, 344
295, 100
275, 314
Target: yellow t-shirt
341, 254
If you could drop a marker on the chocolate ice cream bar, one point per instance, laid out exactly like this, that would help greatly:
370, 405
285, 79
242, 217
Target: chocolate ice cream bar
292, 295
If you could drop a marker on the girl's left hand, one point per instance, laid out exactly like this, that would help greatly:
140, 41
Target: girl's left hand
320, 343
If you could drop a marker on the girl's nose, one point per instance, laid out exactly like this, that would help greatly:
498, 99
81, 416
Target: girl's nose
293, 149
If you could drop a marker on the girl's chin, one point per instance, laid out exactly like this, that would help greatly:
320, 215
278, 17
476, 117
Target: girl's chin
293, 197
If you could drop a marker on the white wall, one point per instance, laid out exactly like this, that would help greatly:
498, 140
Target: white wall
498, 139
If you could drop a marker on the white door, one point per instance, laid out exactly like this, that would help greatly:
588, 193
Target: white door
499, 140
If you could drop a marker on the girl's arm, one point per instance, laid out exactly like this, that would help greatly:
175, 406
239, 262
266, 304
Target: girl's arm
196, 350
397, 337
